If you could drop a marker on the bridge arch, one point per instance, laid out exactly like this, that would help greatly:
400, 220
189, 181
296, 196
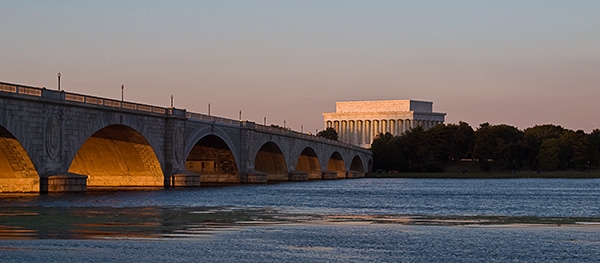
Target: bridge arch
357, 169
357, 164
213, 158
17, 172
118, 156
270, 160
336, 164
200, 133
151, 129
308, 162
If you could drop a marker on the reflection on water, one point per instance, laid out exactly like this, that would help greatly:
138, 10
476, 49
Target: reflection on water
131, 222
156, 222
327, 243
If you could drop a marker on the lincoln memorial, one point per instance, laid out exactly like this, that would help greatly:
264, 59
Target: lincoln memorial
358, 122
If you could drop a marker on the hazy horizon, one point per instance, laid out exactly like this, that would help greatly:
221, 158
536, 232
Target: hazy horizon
521, 63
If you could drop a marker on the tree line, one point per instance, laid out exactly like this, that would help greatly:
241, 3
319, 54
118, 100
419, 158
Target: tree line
539, 148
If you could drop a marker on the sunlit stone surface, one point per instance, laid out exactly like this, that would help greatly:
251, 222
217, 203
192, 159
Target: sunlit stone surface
358, 122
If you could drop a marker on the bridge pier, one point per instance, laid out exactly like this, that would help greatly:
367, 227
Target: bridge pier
355, 174
185, 179
278, 176
254, 177
329, 175
298, 176
63, 183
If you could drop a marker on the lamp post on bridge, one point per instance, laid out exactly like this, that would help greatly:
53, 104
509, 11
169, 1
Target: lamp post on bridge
122, 90
58, 75
209, 109
240, 115
171, 100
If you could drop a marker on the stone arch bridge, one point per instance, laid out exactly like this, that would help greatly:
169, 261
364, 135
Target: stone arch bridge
55, 141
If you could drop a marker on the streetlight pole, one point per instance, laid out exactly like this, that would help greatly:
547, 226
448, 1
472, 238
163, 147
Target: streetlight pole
171, 100
122, 91
58, 81
209, 109
240, 115
265, 121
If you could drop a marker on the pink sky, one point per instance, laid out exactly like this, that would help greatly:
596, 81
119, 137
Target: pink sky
514, 62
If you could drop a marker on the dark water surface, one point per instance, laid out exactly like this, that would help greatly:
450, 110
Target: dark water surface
362, 220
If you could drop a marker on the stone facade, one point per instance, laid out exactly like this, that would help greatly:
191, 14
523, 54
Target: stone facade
358, 122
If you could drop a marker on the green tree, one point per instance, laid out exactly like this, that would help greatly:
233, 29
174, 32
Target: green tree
548, 147
413, 148
328, 133
461, 142
501, 143
573, 150
436, 144
534, 137
548, 155
386, 153
593, 149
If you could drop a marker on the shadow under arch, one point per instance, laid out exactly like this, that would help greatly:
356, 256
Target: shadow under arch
309, 162
336, 164
118, 156
200, 133
17, 172
270, 160
212, 158
356, 167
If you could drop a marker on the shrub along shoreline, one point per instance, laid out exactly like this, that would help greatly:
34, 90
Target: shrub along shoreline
490, 149
491, 175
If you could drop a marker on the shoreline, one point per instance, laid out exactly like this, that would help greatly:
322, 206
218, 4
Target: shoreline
489, 175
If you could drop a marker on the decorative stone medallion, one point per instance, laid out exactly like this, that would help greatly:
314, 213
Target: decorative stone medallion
52, 137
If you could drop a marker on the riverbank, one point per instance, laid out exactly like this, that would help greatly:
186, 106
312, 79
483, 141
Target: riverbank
490, 175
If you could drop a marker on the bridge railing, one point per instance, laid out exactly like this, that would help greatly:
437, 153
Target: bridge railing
289, 132
68, 96
20, 89
198, 116
114, 103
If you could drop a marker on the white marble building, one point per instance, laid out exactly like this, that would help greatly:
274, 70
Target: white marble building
358, 122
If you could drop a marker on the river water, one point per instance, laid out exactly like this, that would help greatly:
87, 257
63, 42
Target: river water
360, 220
